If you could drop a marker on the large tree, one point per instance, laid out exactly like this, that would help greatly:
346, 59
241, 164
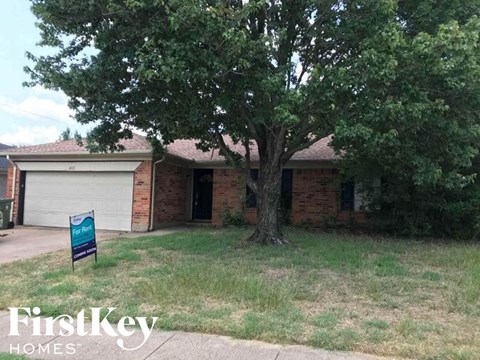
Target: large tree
416, 124
277, 74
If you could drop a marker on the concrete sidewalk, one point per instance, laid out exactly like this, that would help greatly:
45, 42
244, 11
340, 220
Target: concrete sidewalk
162, 345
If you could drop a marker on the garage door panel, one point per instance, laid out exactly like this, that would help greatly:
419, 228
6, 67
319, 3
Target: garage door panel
51, 197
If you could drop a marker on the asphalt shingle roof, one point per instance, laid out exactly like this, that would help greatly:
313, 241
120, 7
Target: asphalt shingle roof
186, 149
136, 143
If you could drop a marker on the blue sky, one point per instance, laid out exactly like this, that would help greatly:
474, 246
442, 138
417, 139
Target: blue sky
27, 115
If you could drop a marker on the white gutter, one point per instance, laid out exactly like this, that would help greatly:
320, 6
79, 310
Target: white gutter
14, 182
152, 203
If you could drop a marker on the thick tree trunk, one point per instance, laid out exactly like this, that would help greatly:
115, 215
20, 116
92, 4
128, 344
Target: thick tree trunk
268, 227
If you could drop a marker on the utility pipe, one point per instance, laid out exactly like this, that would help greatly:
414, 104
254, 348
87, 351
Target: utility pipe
14, 182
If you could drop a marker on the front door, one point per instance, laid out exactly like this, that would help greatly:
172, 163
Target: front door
202, 194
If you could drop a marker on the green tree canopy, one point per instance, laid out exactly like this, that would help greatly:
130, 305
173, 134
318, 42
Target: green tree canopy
417, 122
67, 135
280, 74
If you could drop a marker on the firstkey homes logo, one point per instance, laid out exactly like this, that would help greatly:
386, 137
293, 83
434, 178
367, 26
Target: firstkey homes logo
27, 321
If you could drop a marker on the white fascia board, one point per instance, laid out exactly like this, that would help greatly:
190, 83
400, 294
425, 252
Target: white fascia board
80, 166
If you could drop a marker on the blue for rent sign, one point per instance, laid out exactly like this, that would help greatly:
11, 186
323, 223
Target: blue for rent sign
82, 236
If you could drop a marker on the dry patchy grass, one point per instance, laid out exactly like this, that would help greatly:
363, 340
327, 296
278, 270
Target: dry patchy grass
383, 296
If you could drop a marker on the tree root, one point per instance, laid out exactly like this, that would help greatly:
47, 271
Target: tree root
264, 238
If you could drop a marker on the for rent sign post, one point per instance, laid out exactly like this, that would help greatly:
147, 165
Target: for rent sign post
82, 236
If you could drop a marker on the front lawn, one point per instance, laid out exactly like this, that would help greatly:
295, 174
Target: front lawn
7, 356
337, 292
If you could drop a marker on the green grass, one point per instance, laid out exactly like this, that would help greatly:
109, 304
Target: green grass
327, 319
390, 297
377, 324
7, 356
341, 339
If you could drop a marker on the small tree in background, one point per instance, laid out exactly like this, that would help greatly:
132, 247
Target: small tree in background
67, 135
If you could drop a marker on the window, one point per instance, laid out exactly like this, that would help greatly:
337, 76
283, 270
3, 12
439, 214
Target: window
251, 198
286, 196
347, 201
286, 191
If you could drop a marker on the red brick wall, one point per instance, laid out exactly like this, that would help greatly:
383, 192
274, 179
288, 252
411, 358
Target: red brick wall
228, 193
170, 193
142, 186
316, 198
9, 193
315, 195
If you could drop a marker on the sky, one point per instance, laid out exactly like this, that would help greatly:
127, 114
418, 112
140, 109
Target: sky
28, 116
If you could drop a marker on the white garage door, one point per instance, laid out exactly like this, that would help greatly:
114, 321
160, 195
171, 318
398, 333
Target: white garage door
51, 197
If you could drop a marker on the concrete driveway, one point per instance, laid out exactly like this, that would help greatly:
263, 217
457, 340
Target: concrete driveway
24, 242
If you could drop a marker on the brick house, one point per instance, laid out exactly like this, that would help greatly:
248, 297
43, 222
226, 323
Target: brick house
134, 191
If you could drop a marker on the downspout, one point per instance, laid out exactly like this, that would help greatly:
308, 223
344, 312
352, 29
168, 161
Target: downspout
152, 203
14, 182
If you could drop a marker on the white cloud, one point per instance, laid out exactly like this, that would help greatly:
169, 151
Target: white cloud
30, 135
37, 118
40, 91
39, 109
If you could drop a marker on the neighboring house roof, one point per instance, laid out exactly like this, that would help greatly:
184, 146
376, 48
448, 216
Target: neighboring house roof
3, 161
185, 149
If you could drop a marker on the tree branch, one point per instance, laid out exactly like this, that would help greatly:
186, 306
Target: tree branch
248, 175
290, 152
229, 153
234, 157
251, 126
